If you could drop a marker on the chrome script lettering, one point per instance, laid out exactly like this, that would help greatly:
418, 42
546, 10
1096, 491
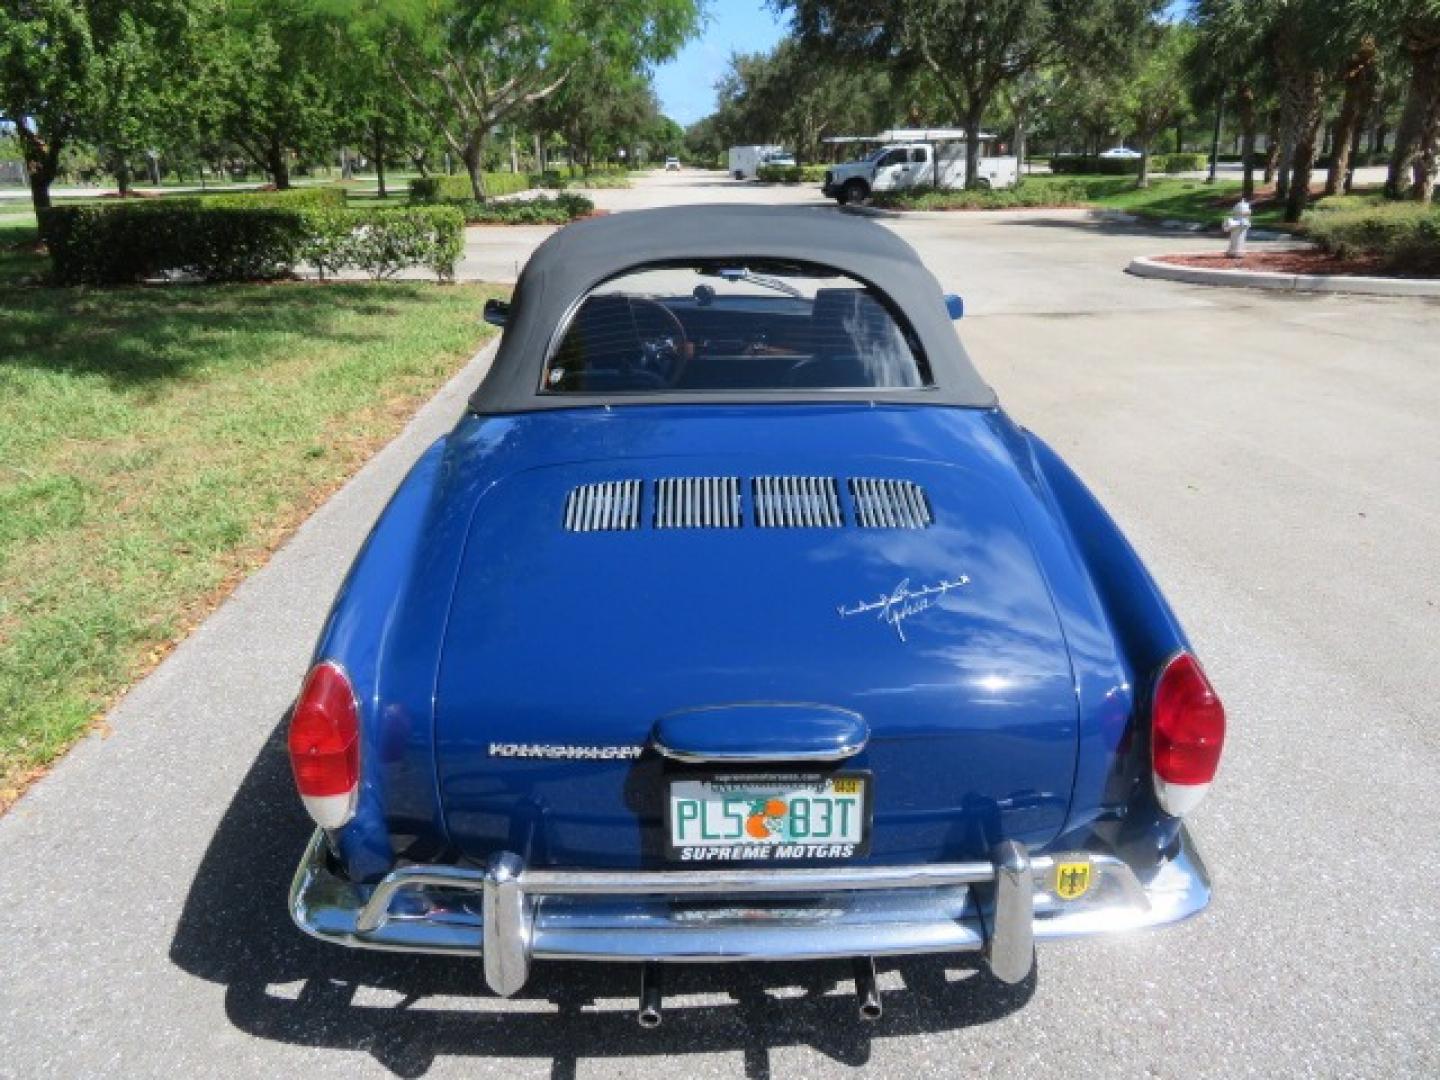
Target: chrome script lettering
902, 602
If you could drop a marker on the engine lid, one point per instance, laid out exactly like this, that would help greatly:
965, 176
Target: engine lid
595, 599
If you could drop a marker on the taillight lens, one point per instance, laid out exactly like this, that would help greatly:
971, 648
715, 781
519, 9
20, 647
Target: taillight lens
1187, 733
325, 746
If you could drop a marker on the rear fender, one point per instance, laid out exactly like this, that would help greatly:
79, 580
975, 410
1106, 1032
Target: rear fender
1148, 634
391, 684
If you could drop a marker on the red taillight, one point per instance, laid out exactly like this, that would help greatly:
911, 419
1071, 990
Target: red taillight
325, 746
1187, 733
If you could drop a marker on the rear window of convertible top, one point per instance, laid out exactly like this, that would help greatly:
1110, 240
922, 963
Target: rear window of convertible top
739, 325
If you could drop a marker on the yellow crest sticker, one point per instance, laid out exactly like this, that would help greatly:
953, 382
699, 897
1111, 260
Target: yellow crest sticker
1072, 880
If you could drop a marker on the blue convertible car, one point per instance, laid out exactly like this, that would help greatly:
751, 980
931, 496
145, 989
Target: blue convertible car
736, 621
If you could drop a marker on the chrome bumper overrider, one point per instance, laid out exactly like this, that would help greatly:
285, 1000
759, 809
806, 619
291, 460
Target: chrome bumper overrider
512, 915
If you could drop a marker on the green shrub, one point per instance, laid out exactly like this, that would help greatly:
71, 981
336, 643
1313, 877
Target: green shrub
1178, 163
124, 242
1405, 236
212, 240
791, 174
384, 241
297, 198
541, 210
600, 180
1077, 164
1030, 194
429, 189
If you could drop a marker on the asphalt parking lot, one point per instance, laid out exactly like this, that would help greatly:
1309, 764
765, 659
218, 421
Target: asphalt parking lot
1275, 458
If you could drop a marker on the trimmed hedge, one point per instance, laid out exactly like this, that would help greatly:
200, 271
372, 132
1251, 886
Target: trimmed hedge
317, 198
212, 240
1079, 164
791, 174
1178, 163
1405, 236
541, 210
382, 242
429, 189
1049, 193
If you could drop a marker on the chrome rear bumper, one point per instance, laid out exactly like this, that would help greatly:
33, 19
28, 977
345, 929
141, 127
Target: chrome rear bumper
511, 915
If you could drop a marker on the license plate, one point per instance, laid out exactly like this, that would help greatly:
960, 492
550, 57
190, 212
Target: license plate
768, 816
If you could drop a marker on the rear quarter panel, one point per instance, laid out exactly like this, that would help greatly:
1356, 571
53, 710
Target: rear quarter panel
1121, 632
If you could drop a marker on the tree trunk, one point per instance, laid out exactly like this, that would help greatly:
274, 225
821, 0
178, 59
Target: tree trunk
1272, 146
1308, 108
42, 162
379, 142
1359, 75
1019, 152
347, 170
1412, 160
121, 169
972, 148
1143, 180
277, 166
1215, 141
1247, 140
474, 158
1179, 138
1300, 100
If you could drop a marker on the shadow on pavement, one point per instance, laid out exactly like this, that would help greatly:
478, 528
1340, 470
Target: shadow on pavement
406, 1010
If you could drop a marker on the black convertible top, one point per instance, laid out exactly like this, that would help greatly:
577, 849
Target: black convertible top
573, 261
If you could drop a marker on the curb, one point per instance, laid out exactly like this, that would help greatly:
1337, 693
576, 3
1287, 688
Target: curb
1149, 267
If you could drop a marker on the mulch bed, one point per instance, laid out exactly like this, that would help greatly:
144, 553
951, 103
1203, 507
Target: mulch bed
1286, 262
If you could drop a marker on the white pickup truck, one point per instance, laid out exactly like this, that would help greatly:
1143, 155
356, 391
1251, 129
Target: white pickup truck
897, 166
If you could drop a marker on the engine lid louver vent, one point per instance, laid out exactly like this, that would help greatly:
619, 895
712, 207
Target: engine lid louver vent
796, 502
890, 504
697, 502
611, 506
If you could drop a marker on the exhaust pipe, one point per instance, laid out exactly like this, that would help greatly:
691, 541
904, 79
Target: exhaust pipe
867, 993
648, 1014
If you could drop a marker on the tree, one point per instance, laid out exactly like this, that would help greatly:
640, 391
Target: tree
1154, 95
974, 48
270, 66
1227, 64
469, 66
1361, 77
136, 102
1413, 160
59, 65
1302, 43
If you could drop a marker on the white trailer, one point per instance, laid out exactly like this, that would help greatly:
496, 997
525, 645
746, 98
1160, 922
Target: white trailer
745, 161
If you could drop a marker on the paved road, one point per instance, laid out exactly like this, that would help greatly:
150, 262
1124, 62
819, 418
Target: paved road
1277, 459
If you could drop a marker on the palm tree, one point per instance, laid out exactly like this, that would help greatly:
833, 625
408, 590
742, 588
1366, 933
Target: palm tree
1413, 161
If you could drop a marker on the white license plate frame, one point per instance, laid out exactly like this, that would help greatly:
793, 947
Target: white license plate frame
787, 839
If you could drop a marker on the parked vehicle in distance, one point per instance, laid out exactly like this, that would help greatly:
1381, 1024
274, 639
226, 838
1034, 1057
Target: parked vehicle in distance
672, 164
897, 166
736, 620
744, 162
1120, 153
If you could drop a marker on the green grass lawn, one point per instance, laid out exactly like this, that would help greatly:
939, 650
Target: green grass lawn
1170, 198
157, 443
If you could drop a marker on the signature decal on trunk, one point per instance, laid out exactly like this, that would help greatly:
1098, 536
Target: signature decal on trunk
902, 602
565, 752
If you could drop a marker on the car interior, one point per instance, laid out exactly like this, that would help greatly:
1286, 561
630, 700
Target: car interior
746, 326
